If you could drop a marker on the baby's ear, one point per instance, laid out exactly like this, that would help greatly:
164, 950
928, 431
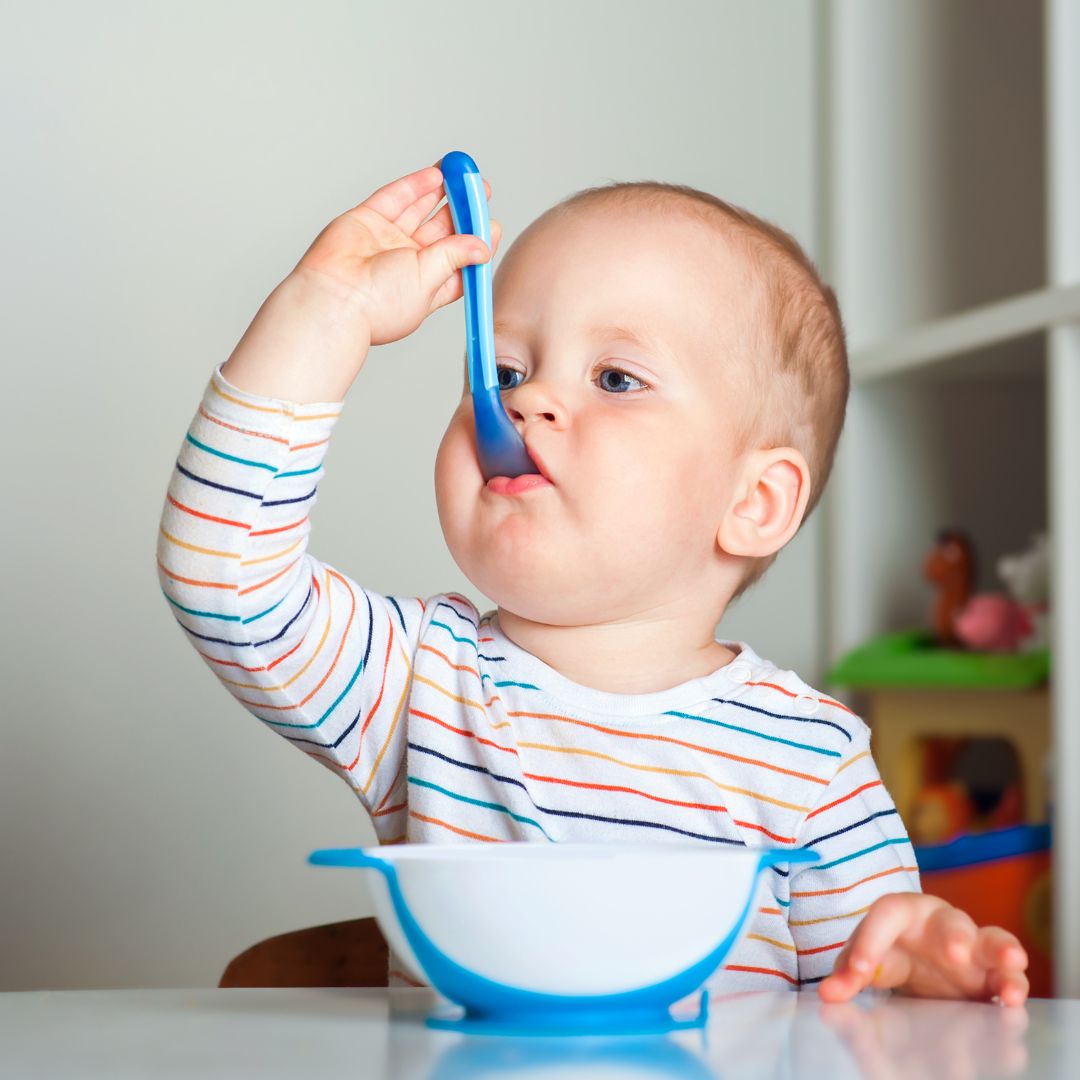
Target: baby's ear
771, 496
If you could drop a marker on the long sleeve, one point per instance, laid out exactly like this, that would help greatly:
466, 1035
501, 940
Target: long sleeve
322, 661
865, 853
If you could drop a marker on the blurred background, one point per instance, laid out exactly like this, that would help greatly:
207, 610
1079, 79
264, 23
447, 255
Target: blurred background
166, 164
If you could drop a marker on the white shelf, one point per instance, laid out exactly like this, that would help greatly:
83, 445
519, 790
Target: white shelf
952, 176
979, 328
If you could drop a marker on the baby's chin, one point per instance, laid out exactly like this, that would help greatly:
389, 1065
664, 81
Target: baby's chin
546, 586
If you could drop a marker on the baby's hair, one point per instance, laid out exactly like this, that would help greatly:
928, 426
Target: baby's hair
795, 334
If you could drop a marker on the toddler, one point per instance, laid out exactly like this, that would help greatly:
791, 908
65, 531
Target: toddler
678, 372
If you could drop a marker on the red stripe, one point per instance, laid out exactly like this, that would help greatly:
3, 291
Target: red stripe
208, 517
843, 799
762, 971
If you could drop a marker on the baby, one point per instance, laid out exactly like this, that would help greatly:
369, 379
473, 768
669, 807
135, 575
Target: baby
678, 372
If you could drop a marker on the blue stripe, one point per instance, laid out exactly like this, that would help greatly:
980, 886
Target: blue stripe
348, 686
639, 823
461, 640
219, 487
848, 828
284, 630
298, 472
244, 644
229, 457
298, 499
256, 618
854, 855
477, 802
756, 734
324, 745
200, 614
401, 618
786, 716
464, 618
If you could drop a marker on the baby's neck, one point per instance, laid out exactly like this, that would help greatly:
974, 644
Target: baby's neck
639, 656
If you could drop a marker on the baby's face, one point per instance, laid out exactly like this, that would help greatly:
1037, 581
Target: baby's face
616, 340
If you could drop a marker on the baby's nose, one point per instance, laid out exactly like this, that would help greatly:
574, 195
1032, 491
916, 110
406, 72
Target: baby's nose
534, 401
528, 415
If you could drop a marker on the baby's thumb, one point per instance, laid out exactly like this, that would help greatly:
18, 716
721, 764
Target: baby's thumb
439, 261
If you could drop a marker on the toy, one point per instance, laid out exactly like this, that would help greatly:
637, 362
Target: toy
949, 566
1016, 620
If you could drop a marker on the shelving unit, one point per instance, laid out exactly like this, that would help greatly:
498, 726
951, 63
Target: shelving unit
952, 211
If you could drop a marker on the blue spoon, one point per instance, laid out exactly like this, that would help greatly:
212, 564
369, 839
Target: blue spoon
499, 446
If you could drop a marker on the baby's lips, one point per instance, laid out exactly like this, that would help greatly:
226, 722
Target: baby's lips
536, 460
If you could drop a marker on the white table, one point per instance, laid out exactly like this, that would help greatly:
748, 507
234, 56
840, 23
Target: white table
362, 1034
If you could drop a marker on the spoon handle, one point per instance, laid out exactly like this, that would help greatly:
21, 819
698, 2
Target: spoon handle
468, 207
500, 449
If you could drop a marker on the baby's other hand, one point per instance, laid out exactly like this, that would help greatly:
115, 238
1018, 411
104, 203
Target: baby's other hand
923, 946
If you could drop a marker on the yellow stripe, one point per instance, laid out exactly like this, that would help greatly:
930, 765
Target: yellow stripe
857, 757
828, 918
394, 722
771, 941
454, 697
246, 404
276, 555
267, 409
310, 661
666, 772
200, 550
617, 761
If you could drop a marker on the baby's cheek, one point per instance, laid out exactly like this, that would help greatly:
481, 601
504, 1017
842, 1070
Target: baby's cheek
457, 472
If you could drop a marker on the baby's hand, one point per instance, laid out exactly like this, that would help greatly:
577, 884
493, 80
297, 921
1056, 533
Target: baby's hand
383, 257
923, 946
371, 276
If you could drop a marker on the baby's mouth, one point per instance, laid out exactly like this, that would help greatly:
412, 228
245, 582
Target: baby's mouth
517, 485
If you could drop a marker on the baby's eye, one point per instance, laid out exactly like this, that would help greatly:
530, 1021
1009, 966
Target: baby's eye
505, 384
615, 385
507, 379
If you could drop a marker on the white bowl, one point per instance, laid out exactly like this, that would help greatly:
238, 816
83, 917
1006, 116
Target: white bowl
530, 928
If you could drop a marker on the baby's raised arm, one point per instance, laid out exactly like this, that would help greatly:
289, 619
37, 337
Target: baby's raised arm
321, 660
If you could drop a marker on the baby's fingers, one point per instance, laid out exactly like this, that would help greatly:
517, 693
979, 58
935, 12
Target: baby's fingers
453, 287
997, 948
391, 200
1009, 987
869, 956
887, 920
412, 220
951, 934
440, 225
1005, 961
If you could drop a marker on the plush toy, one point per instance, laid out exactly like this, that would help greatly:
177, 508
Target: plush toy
1012, 620
950, 566
992, 622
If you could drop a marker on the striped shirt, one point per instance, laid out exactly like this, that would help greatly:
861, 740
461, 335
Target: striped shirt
446, 730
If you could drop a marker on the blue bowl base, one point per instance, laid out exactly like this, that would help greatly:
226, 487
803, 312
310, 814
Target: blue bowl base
578, 1021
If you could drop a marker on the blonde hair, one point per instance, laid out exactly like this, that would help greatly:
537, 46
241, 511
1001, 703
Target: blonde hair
796, 334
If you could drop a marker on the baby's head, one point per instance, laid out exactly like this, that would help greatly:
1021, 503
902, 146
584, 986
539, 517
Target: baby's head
678, 371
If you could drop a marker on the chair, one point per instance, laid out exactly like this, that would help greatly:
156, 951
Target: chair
352, 953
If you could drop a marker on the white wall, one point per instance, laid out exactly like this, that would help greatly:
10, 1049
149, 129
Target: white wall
164, 165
